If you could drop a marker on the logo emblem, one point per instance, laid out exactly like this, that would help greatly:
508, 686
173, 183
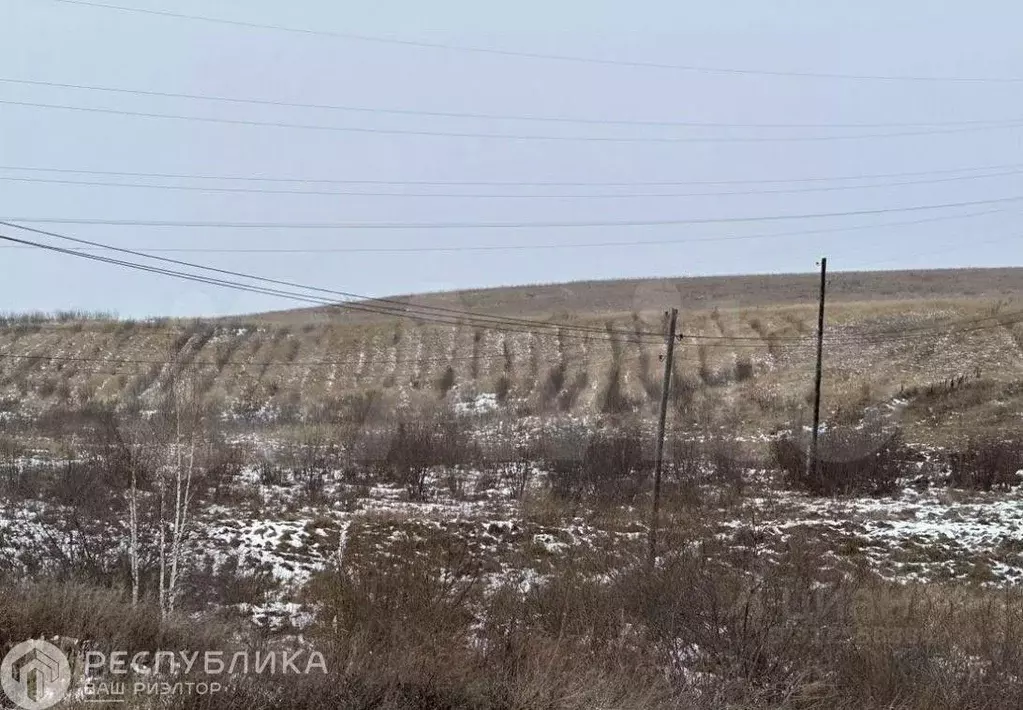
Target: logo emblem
35, 675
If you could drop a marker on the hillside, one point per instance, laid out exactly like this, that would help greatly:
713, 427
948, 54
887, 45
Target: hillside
887, 333
603, 298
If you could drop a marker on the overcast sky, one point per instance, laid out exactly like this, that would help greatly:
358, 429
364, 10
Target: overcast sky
50, 41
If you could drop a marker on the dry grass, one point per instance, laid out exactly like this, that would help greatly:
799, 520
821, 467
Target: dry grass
73, 609
260, 370
577, 299
423, 612
709, 627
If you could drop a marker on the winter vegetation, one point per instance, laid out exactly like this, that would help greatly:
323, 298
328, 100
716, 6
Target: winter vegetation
455, 530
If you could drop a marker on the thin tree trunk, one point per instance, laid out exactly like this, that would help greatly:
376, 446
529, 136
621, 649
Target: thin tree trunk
182, 495
133, 524
163, 545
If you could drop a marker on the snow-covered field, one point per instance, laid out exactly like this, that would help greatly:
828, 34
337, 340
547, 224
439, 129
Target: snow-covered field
932, 535
924, 533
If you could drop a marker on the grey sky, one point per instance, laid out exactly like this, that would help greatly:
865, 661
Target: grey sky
51, 41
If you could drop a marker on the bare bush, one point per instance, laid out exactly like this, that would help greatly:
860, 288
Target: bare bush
563, 456
12, 454
223, 468
523, 464
353, 409
985, 464
867, 461
609, 466
743, 369
271, 473
686, 457
726, 466
417, 630
395, 604
770, 631
226, 584
416, 445
74, 609
313, 461
613, 399
446, 381
554, 383
616, 465
502, 388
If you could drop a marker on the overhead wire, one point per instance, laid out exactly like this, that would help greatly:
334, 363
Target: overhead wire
546, 246
521, 54
948, 248
456, 317
218, 224
470, 115
512, 183
418, 311
415, 309
563, 357
403, 308
438, 312
253, 363
503, 196
506, 136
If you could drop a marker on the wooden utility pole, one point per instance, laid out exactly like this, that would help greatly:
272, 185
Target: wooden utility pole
812, 470
659, 460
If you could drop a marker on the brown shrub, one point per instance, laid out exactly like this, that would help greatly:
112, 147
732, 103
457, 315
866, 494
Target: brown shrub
417, 444
867, 461
743, 369
609, 466
984, 464
102, 616
446, 381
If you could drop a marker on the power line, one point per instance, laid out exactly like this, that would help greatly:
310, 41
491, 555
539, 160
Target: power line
693, 339
456, 319
550, 57
503, 196
251, 363
176, 274
364, 301
402, 310
500, 117
771, 342
511, 325
904, 332
564, 357
542, 247
213, 224
193, 277
953, 327
506, 183
785, 347
948, 248
506, 136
